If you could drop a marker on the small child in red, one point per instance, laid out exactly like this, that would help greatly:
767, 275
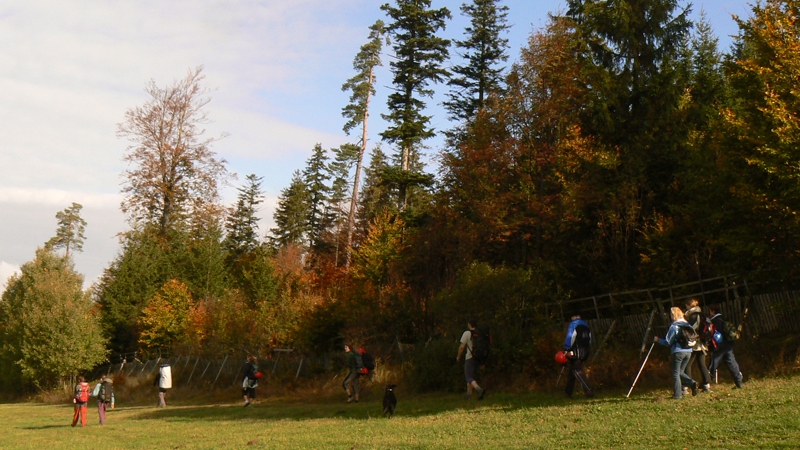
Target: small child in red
81, 400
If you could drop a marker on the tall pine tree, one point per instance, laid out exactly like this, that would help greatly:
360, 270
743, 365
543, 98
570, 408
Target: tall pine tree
242, 223
362, 86
69, 234
291, 214
420, 56
484, 49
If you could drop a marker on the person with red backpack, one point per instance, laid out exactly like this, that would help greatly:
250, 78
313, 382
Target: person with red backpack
81, 400
694, 315
354, 363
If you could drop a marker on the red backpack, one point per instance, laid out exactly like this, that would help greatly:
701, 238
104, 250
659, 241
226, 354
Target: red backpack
82, 392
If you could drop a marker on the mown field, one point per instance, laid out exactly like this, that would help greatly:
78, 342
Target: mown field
766, 414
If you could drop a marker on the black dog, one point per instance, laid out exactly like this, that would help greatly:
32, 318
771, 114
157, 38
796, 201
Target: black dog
389, 401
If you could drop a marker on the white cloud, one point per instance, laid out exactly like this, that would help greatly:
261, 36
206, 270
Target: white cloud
6, 270
58, 198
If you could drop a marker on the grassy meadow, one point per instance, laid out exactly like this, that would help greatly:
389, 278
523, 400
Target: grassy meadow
766, 414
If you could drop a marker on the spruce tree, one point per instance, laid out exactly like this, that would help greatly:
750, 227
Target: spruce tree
291, 214
484, 49
420, 56
315, 176
242, 223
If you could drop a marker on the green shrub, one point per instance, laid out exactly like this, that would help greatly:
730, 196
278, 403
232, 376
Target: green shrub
433, 367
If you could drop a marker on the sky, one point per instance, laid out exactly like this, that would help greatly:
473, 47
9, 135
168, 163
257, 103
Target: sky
69, 69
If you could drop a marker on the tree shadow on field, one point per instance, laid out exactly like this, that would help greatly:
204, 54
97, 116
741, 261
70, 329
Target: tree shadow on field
368, 408
46, 427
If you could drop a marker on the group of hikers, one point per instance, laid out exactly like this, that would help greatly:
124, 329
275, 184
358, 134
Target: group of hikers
103, 391
691, 336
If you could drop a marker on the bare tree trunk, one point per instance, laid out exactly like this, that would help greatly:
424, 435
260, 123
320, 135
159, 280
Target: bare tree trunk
354, 200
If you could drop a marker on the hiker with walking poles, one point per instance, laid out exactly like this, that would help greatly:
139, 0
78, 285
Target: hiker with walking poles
576, 349
725, 336
250, 380
680, 337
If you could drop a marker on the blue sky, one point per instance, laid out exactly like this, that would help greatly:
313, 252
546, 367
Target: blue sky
69, 70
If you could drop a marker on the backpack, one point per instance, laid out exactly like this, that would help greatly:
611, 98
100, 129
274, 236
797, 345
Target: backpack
359, 361
686, 336
82, 392
367, 361
707, 332
583, 343
481, 345
106, 392
728, 331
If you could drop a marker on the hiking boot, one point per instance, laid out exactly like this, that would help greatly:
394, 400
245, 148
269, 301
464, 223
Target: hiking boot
706, 388
467, 396
694, 389
350, 399
481, 393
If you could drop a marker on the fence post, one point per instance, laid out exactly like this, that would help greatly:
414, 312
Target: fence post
646, 332
600, 348
155, 365
194, 367
220, 369
206, 369
143, 367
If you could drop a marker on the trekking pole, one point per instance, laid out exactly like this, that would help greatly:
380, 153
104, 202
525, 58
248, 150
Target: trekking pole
640, 370
559, 375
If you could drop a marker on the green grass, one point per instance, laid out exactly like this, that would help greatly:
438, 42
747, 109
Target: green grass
766, 414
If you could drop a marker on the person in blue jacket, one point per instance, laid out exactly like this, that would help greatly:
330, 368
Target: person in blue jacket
681, 354
576, 347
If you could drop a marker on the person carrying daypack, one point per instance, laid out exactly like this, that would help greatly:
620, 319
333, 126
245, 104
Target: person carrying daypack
577, 346
104, 393
367, 362
81, 400
470, 363
164, 382
354, 363
679, 338
695, 317
726, 335
250, 380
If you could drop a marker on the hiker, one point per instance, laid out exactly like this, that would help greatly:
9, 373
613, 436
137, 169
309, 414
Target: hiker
577, 346
695, 317
350, 383
249, 381
724, 351
104, 393
681, 352
81, 400
469, 361
164, 382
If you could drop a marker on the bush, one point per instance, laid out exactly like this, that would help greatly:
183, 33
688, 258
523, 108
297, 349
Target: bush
433, 367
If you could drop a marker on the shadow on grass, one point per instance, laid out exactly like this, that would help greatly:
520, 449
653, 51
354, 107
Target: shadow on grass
369, 408
46, 427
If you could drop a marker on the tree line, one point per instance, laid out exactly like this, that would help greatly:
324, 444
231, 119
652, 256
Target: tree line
621, 149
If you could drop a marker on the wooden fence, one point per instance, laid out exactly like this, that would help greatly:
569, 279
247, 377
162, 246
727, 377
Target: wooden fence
757, 314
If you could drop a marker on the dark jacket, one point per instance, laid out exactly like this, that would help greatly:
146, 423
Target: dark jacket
350, 360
